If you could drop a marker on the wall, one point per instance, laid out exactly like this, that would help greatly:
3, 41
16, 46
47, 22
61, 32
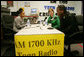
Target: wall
40, 6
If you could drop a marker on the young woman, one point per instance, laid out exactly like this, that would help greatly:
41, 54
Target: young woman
18, 21
53, 19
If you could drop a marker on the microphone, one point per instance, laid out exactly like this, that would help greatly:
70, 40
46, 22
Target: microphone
56, 14
45, 18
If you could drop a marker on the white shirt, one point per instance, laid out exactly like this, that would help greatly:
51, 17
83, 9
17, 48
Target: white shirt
18, 24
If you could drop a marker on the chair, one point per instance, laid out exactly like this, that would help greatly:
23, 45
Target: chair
7, 30
79, 19
8, 33
76, 37
7, 26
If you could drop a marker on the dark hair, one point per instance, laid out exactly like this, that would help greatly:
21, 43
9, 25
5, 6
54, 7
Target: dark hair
19, 11
62, 7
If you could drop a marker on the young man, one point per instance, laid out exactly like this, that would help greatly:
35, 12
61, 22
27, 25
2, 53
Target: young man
67, 23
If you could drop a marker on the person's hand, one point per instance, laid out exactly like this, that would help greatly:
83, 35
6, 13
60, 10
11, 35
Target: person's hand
50, 21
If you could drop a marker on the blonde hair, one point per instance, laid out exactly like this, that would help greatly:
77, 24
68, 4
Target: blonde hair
50, 9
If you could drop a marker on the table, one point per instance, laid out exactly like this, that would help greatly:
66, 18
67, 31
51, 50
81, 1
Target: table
39, 41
